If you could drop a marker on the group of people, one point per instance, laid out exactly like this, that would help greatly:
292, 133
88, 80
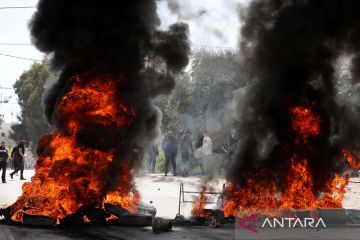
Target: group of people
18, 157
191, 156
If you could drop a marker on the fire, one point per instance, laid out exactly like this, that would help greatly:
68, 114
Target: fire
296, 189
299, 185
127, 201
69, 174
86, 219
334, 194
351, 159
112, 218
198, 209
297, 194
305, 122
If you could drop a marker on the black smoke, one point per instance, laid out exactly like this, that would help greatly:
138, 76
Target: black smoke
102, 43
116, 37
293, 47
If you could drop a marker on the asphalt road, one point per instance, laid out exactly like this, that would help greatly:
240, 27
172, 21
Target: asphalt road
112, 233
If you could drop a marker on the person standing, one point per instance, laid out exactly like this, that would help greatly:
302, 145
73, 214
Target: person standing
4, 156
153, 153
187, 149
169, 147
19, 159
13, 164
206, 148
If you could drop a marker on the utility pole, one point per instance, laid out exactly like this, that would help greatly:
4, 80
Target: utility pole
5, 99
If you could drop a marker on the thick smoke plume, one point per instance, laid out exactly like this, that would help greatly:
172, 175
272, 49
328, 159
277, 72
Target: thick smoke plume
113, 62
113, 38
117, 37
293, 47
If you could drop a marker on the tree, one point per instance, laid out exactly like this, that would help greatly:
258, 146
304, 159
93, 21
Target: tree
202, 94
215, 76
29, 88
173, 105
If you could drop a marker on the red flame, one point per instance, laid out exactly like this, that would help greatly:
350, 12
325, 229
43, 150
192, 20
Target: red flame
296, 191
351, 159
304, 122
198, 209
69, 175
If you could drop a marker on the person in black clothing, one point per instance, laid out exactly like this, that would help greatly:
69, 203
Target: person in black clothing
187, 150
13, 164
4, 156
199, 140
169, 147
153, 152
19, 159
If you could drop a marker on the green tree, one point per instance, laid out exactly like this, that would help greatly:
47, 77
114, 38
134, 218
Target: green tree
215, 76
202, 93
173, 105
29, 88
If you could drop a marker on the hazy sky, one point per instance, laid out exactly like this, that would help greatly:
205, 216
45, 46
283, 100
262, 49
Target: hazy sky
213, 23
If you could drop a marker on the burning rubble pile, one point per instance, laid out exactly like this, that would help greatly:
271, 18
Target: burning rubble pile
296, 139
113, 61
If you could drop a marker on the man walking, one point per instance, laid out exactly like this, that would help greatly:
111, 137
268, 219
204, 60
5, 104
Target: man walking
187, 150
19, 159
169, 147
4, 156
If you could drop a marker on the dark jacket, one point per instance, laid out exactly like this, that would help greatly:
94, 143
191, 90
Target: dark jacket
186, 146
4, 156
169, 145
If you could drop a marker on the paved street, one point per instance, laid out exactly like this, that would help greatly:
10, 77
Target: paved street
163, 192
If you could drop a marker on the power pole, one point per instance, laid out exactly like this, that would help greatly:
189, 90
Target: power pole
5, 99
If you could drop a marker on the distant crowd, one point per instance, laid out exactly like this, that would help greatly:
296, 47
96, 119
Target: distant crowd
196, 154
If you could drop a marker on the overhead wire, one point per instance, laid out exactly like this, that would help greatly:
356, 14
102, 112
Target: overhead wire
18, 57
20, 7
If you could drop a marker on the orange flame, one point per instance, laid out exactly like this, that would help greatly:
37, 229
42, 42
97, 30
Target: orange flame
351, 159
296, 191
305, 122
297, 194
198, 209
69, 175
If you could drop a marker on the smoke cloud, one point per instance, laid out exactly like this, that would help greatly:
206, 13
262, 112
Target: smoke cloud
113, 61
117, 37
292, 47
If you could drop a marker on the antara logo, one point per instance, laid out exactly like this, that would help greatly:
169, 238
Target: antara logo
281, 223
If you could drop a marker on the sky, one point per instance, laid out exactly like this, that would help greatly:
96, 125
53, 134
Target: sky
214, 24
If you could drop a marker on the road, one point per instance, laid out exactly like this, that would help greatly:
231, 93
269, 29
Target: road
163, 193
